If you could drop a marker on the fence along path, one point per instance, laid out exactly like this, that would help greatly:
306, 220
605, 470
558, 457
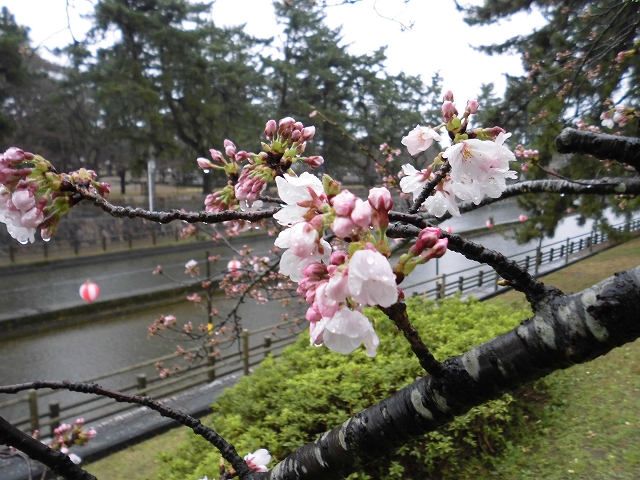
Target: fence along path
249, 349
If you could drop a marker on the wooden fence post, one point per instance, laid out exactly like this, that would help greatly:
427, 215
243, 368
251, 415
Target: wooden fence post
54, 416
267, 346
245, 350
142, 384
211, 361
33, 410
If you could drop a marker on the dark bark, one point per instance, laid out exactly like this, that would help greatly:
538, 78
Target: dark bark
566, 330
600, 145
57, 461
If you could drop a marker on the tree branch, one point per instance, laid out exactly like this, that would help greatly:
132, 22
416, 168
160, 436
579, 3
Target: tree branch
226, 449
429, 187
569, 329
166, 217
57, 461
606, 186
517, 276
600, 145
398, 313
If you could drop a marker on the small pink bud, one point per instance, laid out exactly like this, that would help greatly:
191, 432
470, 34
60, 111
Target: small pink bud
522, 218
448, 96
205, 164
448, 111
339, 257
298, 126
308, 133
270, 129
380, 199
216, 156
314, 162
472, 106
489, 224
285, 123
448, 230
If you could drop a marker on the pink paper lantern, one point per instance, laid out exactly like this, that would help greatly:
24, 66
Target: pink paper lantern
89, 291
234, 267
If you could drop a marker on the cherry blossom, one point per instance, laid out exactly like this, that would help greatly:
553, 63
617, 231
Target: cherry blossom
344, 332
258, 460
413, 181
419, 139
443, 200
371, 280
293, 190
291, 264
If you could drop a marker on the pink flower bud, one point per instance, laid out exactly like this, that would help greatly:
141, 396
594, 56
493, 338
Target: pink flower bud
285, 123
315, 269
489, 224
472, 106
343, 227
308, 133
448, 111
522, 218
313, 315
343, 203
448, 96
205, 164
216, 156
380, 199
449, 230
361, 214
339, 257
298, 126
314, 162
437, 251
270, 129
426, 239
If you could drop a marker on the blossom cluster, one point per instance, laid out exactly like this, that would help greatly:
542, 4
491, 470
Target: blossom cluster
66, 435
337, 284
33, 196
620, 114
478, 160
287, 143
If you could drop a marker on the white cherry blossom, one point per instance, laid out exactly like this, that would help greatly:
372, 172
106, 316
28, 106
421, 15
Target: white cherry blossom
442, 200
419, 139
371, 280
414, 180
293, 190
344, 332
258, 460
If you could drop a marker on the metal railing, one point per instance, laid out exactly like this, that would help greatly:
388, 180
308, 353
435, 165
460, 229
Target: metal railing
45, 410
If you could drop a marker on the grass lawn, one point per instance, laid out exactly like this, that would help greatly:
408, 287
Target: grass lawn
589, 427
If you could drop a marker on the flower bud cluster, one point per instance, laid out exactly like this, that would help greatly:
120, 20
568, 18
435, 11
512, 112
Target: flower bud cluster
429, 245
620, 115
34, 197
65, 436
287, 142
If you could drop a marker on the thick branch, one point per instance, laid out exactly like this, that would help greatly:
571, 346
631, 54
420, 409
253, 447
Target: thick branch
570, 329
398, 313
600, 145
226, 449
57, 461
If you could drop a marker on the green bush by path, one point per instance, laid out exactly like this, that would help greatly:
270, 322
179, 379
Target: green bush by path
290, 400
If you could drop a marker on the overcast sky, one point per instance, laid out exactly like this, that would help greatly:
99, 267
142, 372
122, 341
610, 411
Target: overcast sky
438, 41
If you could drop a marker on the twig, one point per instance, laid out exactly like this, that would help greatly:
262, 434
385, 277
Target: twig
398, 313
57, 461
429, 187
166, 217
517, 276
227, 450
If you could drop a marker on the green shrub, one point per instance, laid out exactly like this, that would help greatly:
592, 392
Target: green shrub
290, 400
